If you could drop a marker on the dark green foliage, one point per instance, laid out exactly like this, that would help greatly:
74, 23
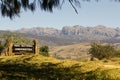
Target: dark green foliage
49, 4
1, 48
117, 54
101, 51
11, 8
44, 50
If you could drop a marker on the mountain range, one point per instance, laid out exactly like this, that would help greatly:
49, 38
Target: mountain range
71, 34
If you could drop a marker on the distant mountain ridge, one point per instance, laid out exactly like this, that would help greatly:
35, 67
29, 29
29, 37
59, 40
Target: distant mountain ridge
71, 34
73, 30
39, 31
77, 33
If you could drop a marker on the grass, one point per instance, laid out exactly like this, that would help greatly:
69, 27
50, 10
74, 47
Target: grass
74, 51
37, 67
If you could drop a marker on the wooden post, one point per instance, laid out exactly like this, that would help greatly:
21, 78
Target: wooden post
36, 47
9, 46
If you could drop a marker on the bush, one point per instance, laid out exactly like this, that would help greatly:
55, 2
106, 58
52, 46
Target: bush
1, 48
44, 50
117, 54
101, 51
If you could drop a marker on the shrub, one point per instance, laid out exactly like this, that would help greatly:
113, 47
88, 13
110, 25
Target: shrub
117, 54
44, 50
101, 51
1, 48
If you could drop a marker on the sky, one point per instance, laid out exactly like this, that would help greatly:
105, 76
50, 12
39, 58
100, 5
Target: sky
104, 12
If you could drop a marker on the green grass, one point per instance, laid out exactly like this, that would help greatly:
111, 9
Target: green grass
37, 67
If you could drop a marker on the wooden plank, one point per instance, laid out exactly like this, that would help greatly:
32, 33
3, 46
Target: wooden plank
23, 48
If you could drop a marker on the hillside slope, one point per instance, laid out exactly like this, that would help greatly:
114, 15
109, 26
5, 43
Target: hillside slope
37, 67
74, 51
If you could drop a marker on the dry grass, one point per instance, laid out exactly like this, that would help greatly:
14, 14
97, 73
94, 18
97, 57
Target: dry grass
34, 67
74, 51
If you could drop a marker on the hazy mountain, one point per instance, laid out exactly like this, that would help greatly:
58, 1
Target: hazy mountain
97, 33
71, 34
40, 31
74, 34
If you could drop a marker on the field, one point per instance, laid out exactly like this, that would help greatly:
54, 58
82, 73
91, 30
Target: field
37, 67
74, 51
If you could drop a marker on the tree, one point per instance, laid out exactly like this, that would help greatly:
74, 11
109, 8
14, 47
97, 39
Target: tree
101, 51
117, 54
12, 8
1, 48
17, 39
44, 50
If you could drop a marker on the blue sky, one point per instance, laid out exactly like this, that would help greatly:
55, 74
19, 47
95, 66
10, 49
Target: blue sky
105, 12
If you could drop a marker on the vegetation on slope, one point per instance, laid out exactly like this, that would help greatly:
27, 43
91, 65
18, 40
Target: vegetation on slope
44, 50
83, 51
17, 38
102, 51
34, 67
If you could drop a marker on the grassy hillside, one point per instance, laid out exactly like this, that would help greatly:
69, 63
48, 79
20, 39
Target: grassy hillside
37, 67
74, 51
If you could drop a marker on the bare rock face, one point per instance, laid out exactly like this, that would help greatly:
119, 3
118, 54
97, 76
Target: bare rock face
97, 30
75, 30
39, 31
97, 33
